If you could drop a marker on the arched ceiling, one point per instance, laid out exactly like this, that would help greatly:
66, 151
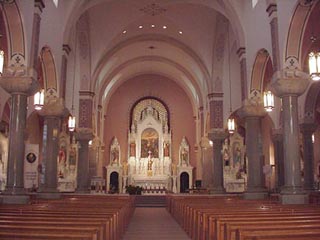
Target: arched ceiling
182, 50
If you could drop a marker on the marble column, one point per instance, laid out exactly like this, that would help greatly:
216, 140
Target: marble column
20, 85
277, 138
288, 84
52, 112
217, 136
252, 112
83, 137
307, 130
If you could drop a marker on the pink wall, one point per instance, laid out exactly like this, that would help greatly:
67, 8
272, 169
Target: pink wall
118, 110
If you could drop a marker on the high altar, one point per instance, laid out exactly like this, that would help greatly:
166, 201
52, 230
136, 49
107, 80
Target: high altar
149, 161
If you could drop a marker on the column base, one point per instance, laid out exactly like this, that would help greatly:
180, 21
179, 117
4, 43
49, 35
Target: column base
217, 190
301, 198
14, 199
255, 195
48, 195
82, 191
14, 191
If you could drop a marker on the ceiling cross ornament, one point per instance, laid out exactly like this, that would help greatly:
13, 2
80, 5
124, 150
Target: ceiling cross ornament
153, 9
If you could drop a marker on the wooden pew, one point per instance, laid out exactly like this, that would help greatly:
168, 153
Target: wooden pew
217, 218
92, 217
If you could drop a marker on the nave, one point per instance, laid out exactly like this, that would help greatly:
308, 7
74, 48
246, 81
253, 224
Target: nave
153, 223
201, 217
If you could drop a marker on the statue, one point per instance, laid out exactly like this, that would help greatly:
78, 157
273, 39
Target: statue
184, 156
150, 162
115, 156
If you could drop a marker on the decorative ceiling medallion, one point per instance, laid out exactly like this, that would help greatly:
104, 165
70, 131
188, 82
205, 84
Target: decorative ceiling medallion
153, 9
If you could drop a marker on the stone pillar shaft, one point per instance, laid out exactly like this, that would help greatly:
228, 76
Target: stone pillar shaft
278, 155
288, 84
308, 156
292, 177
217, 136
83, 184
83, 166
15, 169
50, 151
255, 161
217, 166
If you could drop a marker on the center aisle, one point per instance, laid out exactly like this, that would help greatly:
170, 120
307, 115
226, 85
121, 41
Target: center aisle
153, 224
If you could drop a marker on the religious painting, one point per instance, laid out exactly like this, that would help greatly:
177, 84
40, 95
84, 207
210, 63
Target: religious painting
149, 143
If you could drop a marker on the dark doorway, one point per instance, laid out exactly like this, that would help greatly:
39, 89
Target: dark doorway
114, 182
184, 182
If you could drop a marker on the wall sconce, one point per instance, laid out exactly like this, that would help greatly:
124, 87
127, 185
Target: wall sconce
268, 101
314, 65
71, 123
231, 125
1, 61
38, 100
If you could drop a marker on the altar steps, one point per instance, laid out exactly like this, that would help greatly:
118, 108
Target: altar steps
150, 201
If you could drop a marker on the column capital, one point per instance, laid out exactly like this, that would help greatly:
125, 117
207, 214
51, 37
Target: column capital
289, 82
308, 127
19, 80
53, 106
252, 108
217, 134
84, 134
215, 95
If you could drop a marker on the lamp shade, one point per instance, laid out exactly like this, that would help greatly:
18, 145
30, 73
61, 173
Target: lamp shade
314, 65
1, 61
38, 100
231, 125
71, 123
268, 100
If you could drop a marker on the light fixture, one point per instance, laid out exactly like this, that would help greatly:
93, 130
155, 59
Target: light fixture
314, 56
124, 31
268, 101
153, 26
140, 26
180, 32
72, 118
164, 27
314, 65
312, 138
72, 123
231, 125
231, 121
38, 100
1, 61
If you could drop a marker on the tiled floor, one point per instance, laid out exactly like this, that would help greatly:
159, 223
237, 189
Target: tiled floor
154, 224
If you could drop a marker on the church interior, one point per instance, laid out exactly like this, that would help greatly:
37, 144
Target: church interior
201, 113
